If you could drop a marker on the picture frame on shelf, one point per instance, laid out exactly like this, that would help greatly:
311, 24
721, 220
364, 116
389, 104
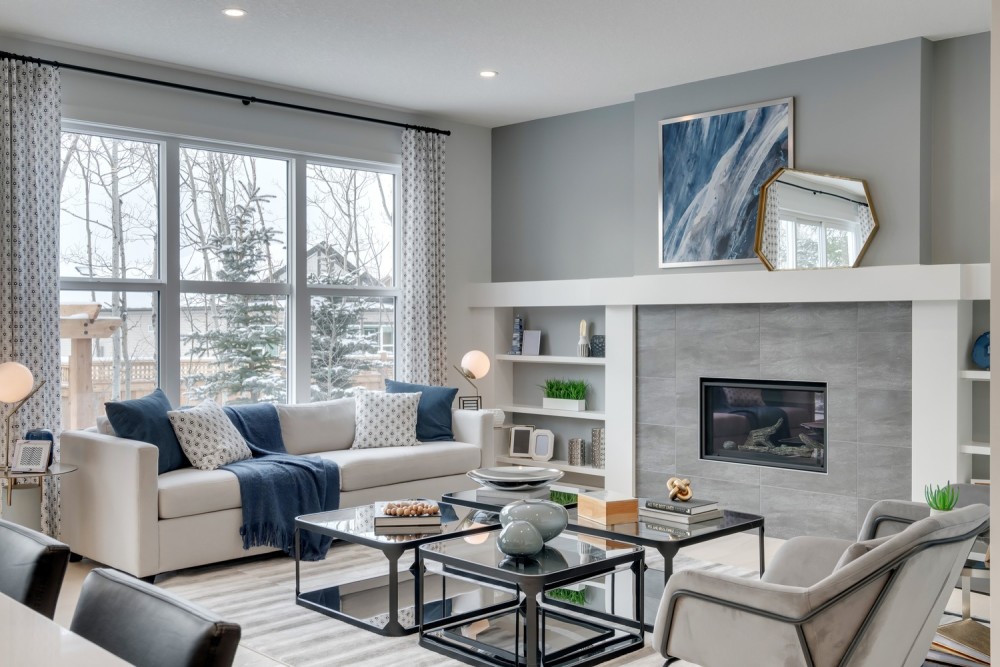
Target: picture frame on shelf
520, 441
532, 343
707, 200
31, 456
541, 444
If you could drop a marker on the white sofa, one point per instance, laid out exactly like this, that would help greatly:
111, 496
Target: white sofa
118, 511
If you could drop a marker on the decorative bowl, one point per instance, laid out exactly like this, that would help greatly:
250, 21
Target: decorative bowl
515, 478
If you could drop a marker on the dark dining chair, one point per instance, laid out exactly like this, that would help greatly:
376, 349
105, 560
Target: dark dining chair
150, 627
32, 567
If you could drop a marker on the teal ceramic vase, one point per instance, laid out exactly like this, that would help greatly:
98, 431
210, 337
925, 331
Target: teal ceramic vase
548, 518
519, 539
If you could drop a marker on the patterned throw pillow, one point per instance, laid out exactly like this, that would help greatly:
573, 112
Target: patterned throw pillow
738, 397
208, 438
385, 420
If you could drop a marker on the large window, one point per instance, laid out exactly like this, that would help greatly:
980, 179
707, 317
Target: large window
197, 280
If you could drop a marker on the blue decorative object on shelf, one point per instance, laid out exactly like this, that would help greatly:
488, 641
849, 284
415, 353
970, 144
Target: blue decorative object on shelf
981, 351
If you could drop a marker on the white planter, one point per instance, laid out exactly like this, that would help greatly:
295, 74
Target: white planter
564, 404
935, 512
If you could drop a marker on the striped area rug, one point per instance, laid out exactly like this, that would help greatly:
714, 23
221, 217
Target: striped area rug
259, 594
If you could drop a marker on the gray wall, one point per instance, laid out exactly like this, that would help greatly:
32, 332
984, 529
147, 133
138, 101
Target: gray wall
960, 178
563, 207
863, 352
909, 117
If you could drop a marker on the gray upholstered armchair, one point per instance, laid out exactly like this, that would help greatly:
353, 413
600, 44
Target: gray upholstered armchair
824, 601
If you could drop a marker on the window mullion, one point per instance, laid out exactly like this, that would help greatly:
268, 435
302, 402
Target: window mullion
300, 336
170, 306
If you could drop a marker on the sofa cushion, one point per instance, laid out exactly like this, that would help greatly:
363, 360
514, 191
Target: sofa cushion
859, 549
308, 428
189, 491
145, 419
381, 466
385, 420
433, 410
208, 437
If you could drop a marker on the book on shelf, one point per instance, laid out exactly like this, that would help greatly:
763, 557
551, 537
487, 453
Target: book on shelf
485, 494
966, 638
682, 519
693, 506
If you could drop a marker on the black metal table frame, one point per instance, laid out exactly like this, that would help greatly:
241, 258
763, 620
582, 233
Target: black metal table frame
528, 602
392, 552
666, 548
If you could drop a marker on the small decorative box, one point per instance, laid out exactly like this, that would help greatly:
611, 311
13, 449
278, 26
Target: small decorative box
607, 507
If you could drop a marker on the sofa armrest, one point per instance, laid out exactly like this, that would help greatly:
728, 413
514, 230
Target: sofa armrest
110, 504
473, 426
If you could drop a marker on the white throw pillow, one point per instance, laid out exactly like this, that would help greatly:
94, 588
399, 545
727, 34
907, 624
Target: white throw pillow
385, 420
207, 437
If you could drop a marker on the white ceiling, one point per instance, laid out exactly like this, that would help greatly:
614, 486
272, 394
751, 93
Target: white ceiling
554, 56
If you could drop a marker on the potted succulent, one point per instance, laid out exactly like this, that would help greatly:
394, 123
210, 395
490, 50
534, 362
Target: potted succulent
941, 499
565, 394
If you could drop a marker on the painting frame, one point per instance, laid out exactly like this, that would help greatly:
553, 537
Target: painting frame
744, 226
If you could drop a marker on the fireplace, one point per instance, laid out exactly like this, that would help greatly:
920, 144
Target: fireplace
771, 423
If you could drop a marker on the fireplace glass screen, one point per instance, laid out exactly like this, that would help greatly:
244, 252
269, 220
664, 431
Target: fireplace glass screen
764, 422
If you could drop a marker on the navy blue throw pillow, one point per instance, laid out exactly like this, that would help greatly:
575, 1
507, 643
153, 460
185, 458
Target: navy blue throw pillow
145, 419
433, 410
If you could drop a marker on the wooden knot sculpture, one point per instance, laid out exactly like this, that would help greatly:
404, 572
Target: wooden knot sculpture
680, 489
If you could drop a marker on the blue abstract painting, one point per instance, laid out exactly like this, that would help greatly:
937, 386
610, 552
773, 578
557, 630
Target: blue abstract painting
713, 166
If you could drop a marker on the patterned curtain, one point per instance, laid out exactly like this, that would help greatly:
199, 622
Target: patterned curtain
770, 244
865, 221
423, 327
30, 112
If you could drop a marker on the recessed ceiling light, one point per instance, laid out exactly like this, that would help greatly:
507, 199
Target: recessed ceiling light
488, 74
234, 12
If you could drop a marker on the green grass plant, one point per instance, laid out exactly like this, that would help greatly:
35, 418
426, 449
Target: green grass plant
939, 498
574, 390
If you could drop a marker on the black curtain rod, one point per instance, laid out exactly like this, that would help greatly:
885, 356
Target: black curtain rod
822, 192
247, 100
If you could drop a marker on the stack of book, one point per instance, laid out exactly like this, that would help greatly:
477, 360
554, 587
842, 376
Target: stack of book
406, 517
675, 511
965, 643
485, 494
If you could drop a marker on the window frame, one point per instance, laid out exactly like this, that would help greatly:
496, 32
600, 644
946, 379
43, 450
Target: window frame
297, 292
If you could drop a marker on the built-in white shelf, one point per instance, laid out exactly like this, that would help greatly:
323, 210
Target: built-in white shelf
592, 415
551, 359
558, 465
975, 376
975, 448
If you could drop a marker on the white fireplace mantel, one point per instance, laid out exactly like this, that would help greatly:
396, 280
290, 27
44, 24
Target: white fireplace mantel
909, 282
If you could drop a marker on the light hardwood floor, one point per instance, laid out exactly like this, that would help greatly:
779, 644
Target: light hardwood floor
736, 550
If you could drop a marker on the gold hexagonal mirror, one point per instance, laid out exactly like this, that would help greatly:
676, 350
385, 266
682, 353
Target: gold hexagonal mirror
813, 221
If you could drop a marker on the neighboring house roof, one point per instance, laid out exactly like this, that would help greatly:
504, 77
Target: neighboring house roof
324, 251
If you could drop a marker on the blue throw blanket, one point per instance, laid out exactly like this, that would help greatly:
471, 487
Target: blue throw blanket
276, 487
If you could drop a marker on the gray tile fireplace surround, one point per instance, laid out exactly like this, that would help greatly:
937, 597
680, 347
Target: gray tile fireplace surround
861, 350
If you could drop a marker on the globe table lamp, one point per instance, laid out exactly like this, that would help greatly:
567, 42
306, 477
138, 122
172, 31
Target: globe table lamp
17, 385
475, 365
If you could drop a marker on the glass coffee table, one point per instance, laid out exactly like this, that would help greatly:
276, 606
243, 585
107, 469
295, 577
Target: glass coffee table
562, 608
383, 604
666, 538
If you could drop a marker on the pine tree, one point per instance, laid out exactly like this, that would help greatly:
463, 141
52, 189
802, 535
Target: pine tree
338, 342
248, 334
